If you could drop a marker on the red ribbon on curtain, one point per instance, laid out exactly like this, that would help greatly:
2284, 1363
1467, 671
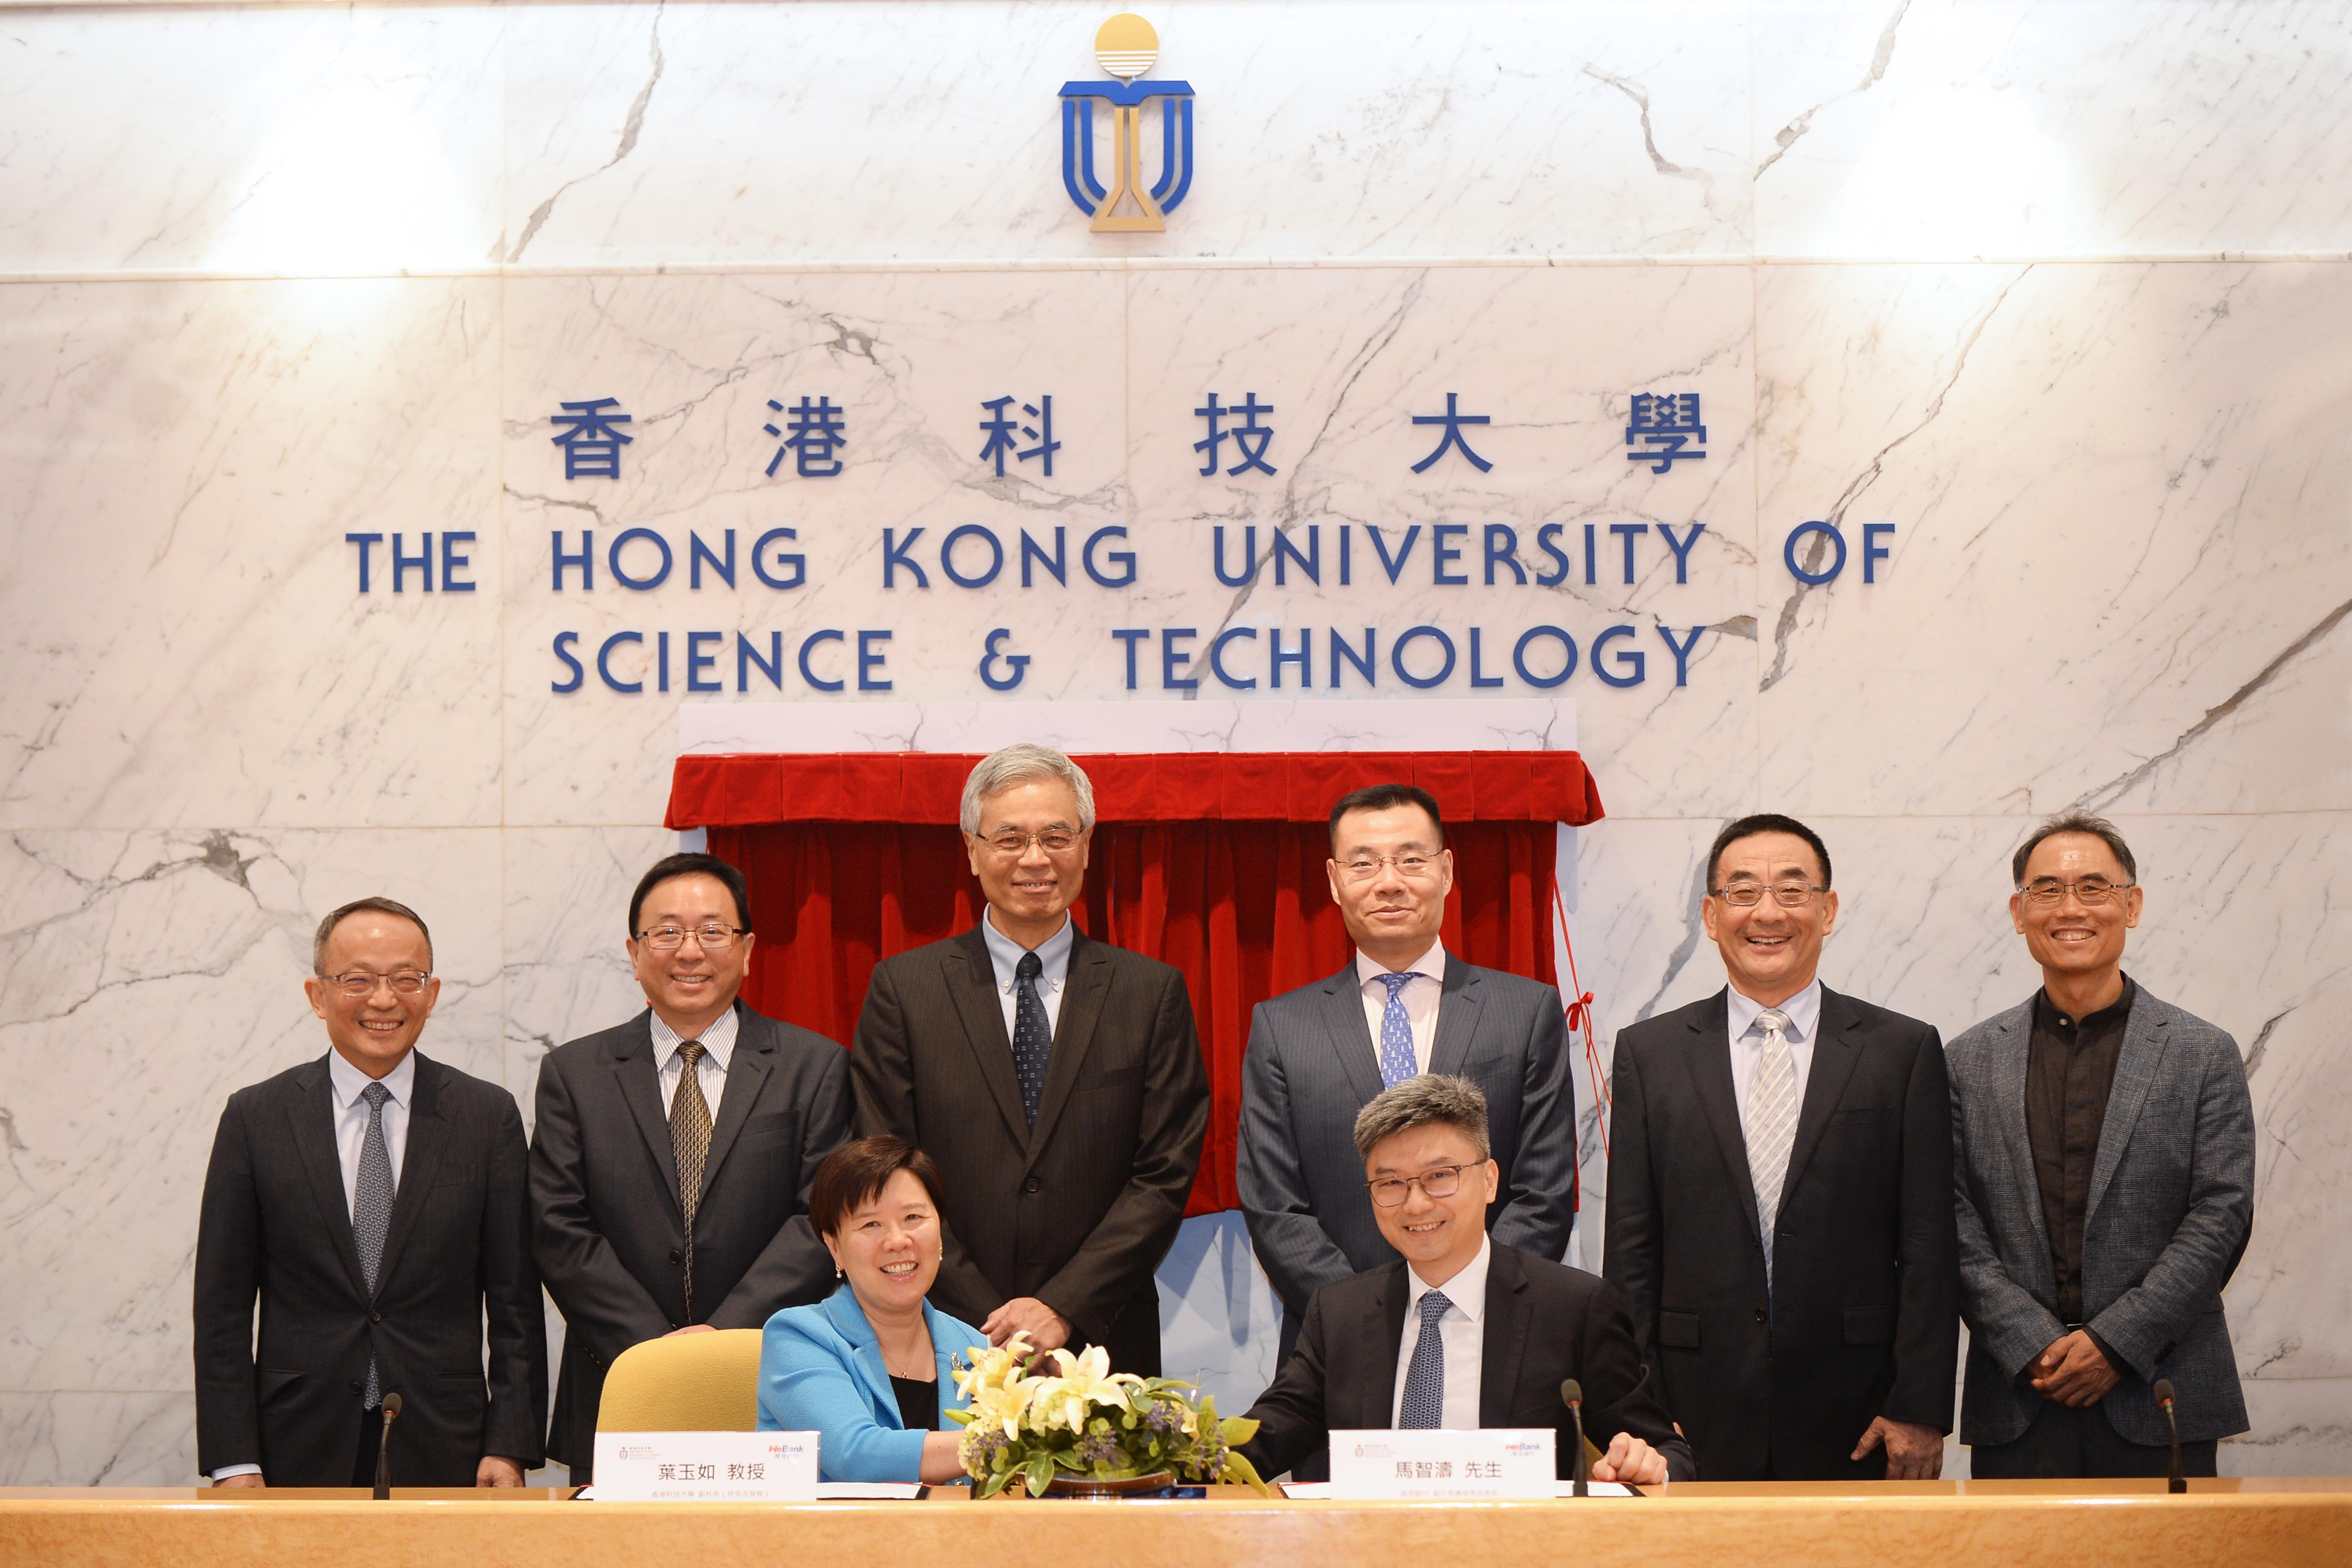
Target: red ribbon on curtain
1214, 862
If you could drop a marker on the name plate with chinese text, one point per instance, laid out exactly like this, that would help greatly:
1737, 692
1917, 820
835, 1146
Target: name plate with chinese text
1493, 1462
705, 1466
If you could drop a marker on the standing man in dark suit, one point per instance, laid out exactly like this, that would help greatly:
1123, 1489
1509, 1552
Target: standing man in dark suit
375, 1201
1402, 1006
1779, 1206
1460, 1331
1056, 1080
670, 1168
2107, 1190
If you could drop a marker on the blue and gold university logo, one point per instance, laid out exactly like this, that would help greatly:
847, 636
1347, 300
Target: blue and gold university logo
1126, 47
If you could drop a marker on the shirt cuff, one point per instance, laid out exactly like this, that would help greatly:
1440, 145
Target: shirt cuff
226, 1471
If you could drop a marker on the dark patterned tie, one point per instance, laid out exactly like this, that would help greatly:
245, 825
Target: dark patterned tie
1032, 1033
689, 1143
1424, 1375
372, 1210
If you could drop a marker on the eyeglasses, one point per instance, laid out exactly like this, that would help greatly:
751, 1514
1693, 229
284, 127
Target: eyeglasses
1412, 867
360, 983
1012, 843
711, 938
2091, 890
1748, 895
1438, 1181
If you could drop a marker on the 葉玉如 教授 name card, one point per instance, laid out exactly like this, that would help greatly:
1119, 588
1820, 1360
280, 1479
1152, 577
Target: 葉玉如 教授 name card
1492, 1462
705, 1466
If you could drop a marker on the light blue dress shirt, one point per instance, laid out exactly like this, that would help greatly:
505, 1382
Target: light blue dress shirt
1053, 954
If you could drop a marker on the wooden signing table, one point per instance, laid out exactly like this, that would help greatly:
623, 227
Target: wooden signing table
1997, 1524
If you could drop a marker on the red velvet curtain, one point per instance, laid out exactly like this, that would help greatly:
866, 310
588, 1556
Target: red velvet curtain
1242, 908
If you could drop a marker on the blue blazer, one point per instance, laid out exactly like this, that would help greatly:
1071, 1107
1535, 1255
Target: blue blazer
821, 1371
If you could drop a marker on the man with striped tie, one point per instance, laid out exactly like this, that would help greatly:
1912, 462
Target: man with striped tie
1461, 1331
1780, 1210
1402, 1006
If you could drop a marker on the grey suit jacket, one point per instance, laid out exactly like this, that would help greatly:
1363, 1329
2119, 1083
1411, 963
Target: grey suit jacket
1311, 1066
2171, 1203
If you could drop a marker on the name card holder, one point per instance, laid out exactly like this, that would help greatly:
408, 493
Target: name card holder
705, 1466
1491, 1462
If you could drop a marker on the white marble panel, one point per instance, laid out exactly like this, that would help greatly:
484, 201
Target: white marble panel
79, 1437
187, 638
732, 134
1552, 358
269, 139
143, 977
1942, 130
695, 361
2299, 1429
2117, 577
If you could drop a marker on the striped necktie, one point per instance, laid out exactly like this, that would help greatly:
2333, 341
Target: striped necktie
1771, 1125
689, 1142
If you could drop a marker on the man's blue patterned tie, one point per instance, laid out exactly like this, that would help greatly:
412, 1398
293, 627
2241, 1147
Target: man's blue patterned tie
1396, 1032
1424, 1376
1032, 1033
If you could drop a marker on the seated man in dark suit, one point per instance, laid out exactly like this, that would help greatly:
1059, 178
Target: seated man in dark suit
373, 1202
670, 1169
1460, 1332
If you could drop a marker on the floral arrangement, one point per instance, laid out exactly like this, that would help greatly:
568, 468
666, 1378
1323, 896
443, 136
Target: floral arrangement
1083, 1420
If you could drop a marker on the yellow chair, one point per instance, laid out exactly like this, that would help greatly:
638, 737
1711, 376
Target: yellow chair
687, 1383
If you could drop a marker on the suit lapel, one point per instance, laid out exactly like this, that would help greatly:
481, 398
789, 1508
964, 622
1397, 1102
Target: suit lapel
1459, 998
1086, 987
1835, 1053
639, 1078
2135, 1068
848, 1321
1351, 1039
747, 1070
420, 1161
2013, 1049
310, 1118
971, 980
1709, 1060
1508, 1315
1380, 1335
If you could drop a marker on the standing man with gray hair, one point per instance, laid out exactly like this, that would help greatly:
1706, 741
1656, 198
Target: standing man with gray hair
2105, 1149
1056, 1080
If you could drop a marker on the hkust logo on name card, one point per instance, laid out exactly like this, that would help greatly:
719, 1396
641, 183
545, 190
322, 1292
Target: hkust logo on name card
1491, 1462
705, 1466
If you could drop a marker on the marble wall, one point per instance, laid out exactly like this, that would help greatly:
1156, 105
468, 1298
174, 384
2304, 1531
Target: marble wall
2058, 289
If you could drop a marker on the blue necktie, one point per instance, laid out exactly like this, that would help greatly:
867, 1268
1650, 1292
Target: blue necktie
1032, 1033
372, 1210
1423, 1406
1396, 1033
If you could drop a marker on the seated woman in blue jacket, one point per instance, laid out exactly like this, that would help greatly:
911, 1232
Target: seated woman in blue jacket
870, 1368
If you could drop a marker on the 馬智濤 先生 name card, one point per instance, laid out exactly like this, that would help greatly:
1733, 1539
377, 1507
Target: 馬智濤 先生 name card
705, 1466
1492, 1462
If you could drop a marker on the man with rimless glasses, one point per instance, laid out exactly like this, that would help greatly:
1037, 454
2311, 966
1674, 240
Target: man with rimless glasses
2105, 1143
671, 1164
373, 1202
1056, 1080
1779, 1195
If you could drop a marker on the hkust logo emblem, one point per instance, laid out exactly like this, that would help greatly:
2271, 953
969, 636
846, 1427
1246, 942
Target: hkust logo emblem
1126, 47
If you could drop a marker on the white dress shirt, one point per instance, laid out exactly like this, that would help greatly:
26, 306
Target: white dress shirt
345, 1083
1805, 1010
1462, 1331
1420, 998
717, 1045
1053, 954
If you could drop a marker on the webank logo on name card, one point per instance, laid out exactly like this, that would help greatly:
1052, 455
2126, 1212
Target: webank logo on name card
705, 1466
1125, 47
1491, 1462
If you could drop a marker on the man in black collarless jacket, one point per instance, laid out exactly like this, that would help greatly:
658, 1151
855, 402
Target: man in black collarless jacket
1780, 1211
373, 1202
746, 1107
1057, 1081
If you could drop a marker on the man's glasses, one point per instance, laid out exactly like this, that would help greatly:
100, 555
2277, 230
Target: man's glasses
1012, 843
1438, 1181
1412, 867
711, 938
1748, 895
360, 983
2092, 890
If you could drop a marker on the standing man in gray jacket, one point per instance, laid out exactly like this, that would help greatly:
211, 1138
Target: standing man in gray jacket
1403, 1006
2105, 1158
